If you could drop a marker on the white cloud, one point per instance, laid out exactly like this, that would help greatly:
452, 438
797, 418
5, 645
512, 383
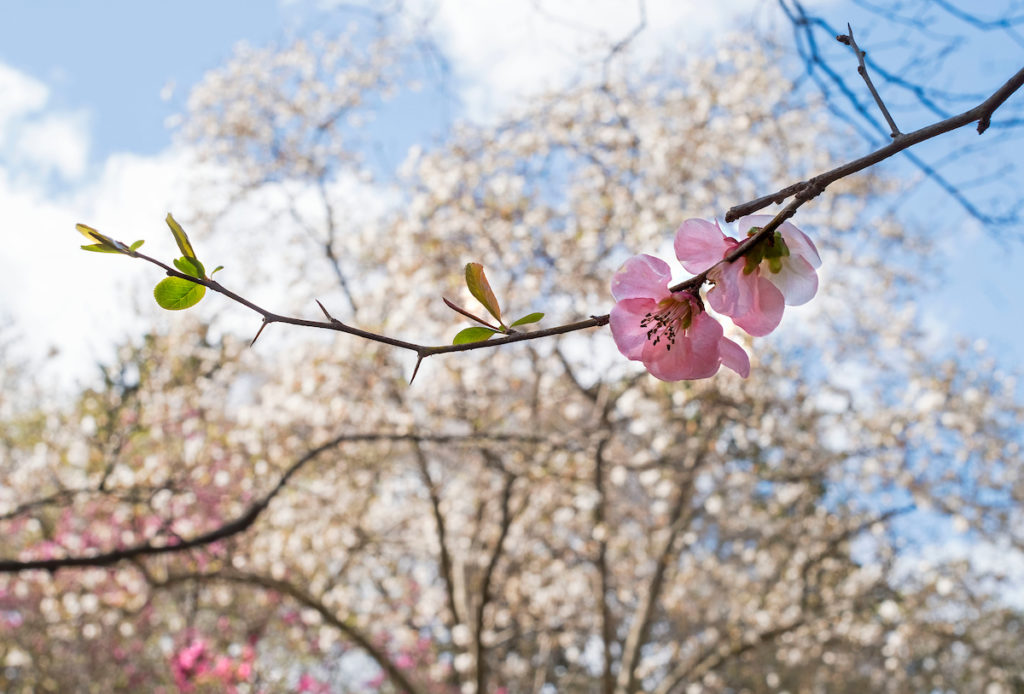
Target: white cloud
19, 94
501, 52
57, 143
34, 142
59, 296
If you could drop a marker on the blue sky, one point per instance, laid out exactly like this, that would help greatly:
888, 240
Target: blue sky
112, 59
92, 86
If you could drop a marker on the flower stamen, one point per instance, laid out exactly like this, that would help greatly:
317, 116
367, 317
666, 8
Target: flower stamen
673, 317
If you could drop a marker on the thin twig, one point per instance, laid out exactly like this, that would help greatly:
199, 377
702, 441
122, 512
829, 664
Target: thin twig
982, 113
862, 70
801, 192
332, 323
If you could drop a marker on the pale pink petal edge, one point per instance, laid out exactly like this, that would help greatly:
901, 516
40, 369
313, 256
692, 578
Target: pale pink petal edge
641, 277
700, 244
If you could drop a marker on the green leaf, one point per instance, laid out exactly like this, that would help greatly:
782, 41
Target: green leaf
529, 318
216, 270
102, 243
175, 293
190, 266
91, 234
180, 237
137, 245
100, 248
475, 334
479, 287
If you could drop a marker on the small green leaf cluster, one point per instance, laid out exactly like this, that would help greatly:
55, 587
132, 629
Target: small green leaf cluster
176, 293
105, 244
480, 288
171, 293
773, 249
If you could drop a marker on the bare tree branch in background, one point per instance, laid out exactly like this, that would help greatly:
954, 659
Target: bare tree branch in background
917, 31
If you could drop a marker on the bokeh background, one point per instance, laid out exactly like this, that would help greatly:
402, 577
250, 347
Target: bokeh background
544, 517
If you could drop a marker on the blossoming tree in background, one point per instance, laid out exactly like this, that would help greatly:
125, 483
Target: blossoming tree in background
534, 514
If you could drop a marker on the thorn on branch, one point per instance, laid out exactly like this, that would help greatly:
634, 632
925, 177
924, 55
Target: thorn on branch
259, 332
329, 316
330, 319
416, 369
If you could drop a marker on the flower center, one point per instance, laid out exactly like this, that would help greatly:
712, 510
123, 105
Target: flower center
672, 316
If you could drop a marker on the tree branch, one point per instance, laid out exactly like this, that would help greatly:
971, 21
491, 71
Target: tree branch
485, 584
804, 25
801, 192
982, 113
604, 577
642, 617
445, 558
241, 523
714, 657
345, 626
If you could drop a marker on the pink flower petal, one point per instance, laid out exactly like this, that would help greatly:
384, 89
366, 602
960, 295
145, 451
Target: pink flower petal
700, 244
753, 303
630, 337
765, 312
694, 355
800, 245
754, 220
797, 280
797, 241
734, 357
642, 276
733, 290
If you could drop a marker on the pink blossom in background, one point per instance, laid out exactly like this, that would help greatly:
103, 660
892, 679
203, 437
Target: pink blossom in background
308, 683
669, 332
223, 668
753, 297
188, 656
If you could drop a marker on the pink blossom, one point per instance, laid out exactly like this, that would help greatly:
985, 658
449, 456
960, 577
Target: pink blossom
669, 332
308, 683
754, 289
187, 657
223, 668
